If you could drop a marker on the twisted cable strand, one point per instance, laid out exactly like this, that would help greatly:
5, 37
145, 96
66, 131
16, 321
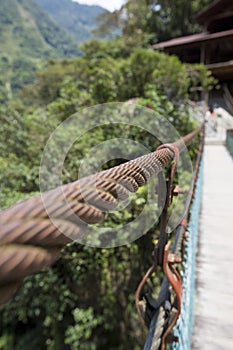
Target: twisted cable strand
30, 232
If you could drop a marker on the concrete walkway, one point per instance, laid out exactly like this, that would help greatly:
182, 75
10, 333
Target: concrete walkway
214, 296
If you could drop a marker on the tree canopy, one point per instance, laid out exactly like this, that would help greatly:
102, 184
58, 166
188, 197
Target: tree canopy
146, 22
86, 300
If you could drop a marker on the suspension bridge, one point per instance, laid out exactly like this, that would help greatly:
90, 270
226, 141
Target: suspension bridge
214, 306
30, 241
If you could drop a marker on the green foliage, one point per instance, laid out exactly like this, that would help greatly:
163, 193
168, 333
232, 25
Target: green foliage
98, 78
86, 301
77, 19
28, 37
200, 79
78, 336
177, 18
95, 49
133, 19
165, 73
144, 22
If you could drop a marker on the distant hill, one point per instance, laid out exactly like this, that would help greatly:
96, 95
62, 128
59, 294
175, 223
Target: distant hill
27, 37
79, 20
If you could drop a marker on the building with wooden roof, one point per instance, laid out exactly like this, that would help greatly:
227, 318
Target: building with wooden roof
213, 47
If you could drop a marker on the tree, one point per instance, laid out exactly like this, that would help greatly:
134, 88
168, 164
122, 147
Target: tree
136, 20
144, 22
86, 300
177, 17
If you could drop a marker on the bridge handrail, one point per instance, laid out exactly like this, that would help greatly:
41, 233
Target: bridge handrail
161, 315
30, 241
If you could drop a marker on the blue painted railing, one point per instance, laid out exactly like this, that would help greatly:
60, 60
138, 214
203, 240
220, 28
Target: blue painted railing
184, 327
229, 141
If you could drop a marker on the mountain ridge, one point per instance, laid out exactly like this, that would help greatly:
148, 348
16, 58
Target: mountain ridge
29, 37
77, 19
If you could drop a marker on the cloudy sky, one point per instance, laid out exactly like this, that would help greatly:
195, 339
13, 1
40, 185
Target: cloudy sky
111, 5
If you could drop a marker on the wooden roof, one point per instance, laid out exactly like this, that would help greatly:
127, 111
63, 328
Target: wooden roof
213, 47
222, 70
195, 39
217, 17
213, 10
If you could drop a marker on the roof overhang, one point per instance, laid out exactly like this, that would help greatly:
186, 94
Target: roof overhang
193, 40
222, 70
212, 10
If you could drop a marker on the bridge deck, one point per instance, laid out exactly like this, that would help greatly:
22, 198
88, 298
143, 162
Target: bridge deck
214, 296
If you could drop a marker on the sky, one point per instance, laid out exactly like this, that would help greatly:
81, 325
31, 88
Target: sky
110, 5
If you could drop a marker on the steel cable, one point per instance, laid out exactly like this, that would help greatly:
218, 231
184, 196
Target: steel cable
31, 241
154, 337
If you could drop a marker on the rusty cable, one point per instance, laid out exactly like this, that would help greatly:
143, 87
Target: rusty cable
30, 241
157, 338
